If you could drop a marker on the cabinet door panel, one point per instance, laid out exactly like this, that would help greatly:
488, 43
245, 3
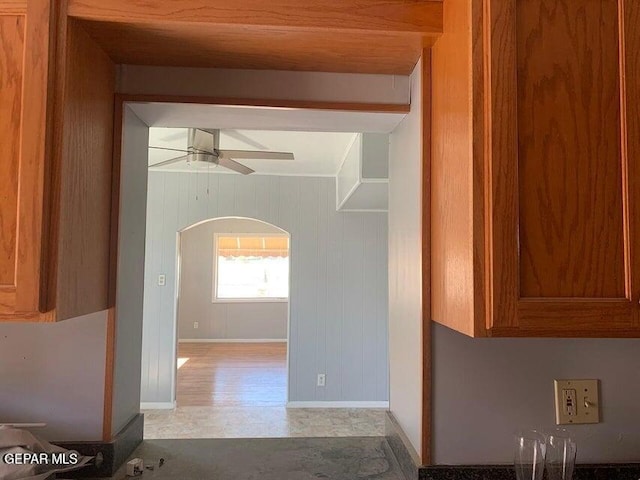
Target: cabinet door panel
11, 67
569, 150
24, 78
562, 250
631, 63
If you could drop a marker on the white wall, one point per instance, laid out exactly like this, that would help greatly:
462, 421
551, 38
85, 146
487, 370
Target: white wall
338, 297
405, 271
485, 390
375, 156
54, 373
222, 320
348, 176
362, 180
129, 295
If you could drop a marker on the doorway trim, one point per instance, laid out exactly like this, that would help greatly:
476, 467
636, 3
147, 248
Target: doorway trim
121, 99
178, 279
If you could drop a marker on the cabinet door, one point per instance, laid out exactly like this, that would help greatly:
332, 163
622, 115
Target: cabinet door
11, 67
23, 103
563, 166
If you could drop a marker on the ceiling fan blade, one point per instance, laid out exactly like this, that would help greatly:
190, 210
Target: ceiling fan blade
235, 166
170, 149
171, 161
258, 155
204, 140
192, 157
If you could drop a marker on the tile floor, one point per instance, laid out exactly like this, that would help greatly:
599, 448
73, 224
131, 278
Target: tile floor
262, 422
239, 391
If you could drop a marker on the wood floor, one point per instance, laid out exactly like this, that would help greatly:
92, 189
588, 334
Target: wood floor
233, 390
232, 374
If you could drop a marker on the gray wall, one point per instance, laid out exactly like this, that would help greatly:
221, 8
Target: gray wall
262, 84
338, 297
486, 389
54, 373
131, 233
405, 269
375, 155
222, 320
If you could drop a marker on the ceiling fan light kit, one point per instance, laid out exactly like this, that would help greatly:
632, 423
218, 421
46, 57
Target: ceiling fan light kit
203, 145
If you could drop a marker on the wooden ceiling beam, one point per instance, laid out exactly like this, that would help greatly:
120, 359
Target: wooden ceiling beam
356, 36
409, 16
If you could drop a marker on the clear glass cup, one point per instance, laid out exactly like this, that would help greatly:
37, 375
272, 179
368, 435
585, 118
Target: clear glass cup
561, 455
529, 455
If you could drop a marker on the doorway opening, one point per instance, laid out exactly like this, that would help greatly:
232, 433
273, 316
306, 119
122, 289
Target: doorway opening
329, 203
233, 314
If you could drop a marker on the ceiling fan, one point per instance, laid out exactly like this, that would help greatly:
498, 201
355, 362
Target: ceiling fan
203, 145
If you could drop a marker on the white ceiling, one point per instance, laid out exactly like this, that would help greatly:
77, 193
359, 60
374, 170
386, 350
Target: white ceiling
316, 153
318, 138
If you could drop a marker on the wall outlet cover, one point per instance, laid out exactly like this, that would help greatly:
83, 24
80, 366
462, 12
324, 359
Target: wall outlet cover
577, 401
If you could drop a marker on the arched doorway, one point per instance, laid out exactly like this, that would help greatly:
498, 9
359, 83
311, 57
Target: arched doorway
232, 315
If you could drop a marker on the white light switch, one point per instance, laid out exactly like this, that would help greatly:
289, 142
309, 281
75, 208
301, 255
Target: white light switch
321, 380
162, 280
577, 401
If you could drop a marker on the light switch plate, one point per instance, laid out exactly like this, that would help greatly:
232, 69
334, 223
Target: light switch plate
577, 401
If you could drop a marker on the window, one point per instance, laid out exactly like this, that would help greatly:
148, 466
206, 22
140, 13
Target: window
251, 267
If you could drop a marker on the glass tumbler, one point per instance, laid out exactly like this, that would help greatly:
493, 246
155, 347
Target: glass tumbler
529, 458
561, 456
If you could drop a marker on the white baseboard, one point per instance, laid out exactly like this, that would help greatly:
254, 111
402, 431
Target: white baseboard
304, 404
316, 404
232, 340
157, 405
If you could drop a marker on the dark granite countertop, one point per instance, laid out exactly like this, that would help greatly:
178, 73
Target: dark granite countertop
630, 471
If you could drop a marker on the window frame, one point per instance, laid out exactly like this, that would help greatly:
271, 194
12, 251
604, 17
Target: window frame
214, 290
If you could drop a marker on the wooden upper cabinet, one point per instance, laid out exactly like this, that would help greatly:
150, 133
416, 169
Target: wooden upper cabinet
12, 35
56, 133
536, 168
23, 86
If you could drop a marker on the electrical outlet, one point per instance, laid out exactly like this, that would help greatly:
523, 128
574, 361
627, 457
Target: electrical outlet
321, 379
195, 325
162, 280
577, 401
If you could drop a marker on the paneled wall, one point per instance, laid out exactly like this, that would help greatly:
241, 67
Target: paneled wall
222, 320
338, 300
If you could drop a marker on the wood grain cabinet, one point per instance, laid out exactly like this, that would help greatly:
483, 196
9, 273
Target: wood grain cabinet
56, 130
536, 168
